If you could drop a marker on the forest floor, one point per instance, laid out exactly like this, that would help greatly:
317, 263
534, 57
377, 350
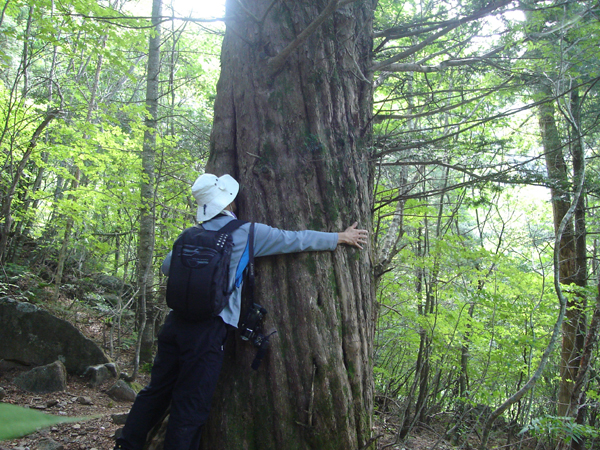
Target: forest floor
78, 400
98, 433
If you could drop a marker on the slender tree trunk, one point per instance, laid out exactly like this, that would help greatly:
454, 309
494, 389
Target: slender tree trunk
145, 272
463, 379
6, 199
430, 277
586, 339
388, 248
550, 137
42, 170
25, 56
422, 363
572, 326
66, 240
591, 342
578, 153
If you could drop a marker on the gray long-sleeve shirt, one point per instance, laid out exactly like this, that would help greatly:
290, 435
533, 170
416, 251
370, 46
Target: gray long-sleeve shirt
267, 241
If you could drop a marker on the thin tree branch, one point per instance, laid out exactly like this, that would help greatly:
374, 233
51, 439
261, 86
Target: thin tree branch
247, 11
118, 19
452, 25
381, 118
414, 49
416, 67
413, 145
262, 19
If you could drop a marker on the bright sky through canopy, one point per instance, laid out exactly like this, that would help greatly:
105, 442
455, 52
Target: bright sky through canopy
198, 9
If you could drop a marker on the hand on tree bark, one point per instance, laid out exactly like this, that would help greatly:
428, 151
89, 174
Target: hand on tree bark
353, 236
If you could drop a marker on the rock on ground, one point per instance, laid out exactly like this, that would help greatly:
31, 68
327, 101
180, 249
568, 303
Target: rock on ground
98, 374
44, 379
34, 337
121, 392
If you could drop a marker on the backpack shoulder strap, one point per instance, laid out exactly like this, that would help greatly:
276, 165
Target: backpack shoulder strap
232, 225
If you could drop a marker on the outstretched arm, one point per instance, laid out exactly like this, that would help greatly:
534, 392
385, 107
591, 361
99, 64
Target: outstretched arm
353, 236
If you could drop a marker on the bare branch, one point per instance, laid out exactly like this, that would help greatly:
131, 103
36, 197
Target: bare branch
416, 67
252, 16
162, 19
414, 49
500, 175
452, 25
381, 118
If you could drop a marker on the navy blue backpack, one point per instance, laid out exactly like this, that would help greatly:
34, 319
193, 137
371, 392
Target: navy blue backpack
198, 284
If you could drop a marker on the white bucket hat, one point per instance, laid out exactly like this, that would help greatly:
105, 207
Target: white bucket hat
213, 194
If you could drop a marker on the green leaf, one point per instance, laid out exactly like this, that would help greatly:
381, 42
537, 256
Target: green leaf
16, 421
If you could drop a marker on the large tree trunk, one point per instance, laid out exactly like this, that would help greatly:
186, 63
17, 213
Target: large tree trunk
296, 135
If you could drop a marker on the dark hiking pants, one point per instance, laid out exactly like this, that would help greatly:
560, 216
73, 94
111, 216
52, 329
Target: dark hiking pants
184, 374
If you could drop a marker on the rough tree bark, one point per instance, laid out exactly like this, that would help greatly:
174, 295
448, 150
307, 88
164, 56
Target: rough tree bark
295, 132
587, 338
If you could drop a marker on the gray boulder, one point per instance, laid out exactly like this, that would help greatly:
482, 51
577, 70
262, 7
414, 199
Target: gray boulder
108, 282
33, 336
121, 392
119, 419
44, 379
98, 374
112, 299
